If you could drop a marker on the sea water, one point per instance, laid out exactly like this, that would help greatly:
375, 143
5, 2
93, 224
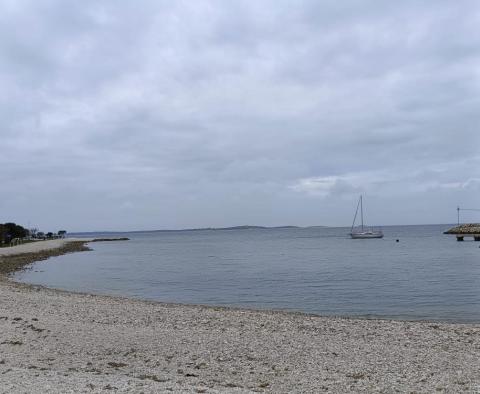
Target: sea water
425, 275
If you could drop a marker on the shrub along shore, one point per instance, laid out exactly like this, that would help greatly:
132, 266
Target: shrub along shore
56, 341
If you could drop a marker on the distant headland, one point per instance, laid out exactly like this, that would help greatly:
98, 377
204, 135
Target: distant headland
243, 227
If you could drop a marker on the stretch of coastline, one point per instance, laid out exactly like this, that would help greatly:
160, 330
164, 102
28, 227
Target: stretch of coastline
58, 341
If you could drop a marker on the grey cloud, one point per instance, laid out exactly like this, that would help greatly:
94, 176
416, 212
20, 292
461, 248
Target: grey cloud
161, 114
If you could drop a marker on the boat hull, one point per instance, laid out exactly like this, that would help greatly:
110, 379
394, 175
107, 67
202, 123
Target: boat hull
367, 235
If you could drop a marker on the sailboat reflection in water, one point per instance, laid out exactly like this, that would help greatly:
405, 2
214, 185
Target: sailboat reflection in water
363, 232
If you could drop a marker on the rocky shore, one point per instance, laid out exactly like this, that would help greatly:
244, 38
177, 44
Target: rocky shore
54, 341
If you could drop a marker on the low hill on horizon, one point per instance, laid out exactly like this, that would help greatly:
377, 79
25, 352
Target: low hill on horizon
243, 227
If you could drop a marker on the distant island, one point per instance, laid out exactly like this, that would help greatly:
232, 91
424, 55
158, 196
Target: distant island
244, 227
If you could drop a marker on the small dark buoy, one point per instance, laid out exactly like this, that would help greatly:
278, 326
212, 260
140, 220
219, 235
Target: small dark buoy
397, 240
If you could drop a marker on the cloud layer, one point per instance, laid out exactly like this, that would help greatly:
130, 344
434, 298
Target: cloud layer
161, 114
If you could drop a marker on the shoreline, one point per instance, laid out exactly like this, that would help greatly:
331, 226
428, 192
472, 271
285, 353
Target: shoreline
73, 245
56, 340
11, 262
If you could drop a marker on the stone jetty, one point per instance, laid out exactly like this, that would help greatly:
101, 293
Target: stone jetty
465, 230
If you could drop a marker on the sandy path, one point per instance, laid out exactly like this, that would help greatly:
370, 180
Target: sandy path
53, 341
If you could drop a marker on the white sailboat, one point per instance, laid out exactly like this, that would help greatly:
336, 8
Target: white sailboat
363, 232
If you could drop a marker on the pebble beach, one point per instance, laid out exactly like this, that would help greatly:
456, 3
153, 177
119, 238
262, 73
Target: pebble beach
57, 342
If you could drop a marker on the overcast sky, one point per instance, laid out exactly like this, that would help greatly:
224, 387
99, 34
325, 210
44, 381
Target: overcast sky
118, 115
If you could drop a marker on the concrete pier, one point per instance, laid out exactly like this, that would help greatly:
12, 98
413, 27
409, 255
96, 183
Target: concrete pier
461, 237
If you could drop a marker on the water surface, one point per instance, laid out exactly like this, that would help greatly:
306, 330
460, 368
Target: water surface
426, 275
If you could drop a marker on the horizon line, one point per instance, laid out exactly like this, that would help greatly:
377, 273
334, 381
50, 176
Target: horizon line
248, 227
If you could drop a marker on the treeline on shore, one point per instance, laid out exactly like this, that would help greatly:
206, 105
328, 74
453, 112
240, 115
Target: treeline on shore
12, 234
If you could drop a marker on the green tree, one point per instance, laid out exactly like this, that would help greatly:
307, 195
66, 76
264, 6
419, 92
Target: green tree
14, 230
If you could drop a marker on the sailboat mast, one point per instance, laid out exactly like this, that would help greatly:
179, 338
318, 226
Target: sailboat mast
355, 217
361, 209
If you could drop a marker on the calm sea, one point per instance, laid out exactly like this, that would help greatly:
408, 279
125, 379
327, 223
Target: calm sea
426, 275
